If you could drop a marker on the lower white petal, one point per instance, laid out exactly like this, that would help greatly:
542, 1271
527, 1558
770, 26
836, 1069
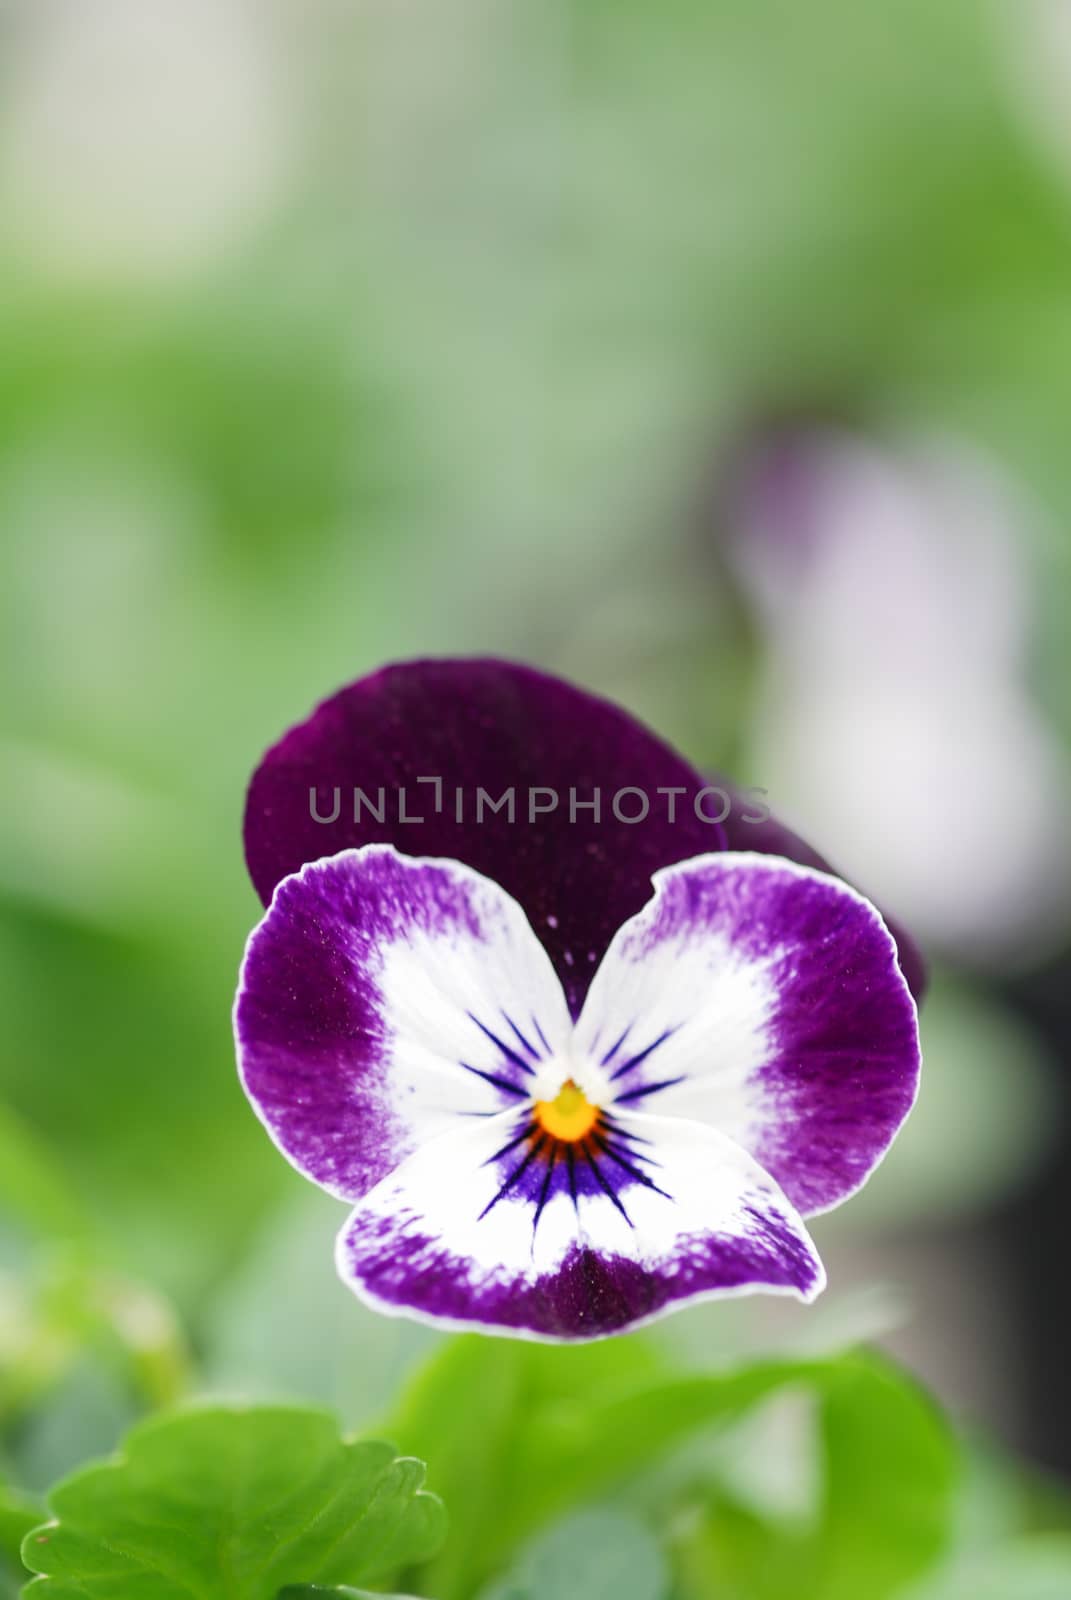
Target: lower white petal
487, 1227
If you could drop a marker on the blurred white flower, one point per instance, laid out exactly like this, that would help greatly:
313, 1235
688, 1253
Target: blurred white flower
895, 721
140, 138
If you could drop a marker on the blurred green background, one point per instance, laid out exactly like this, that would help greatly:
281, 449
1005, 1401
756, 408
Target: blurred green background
334, 333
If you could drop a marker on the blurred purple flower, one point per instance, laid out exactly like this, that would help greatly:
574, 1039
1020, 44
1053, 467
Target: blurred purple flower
895, 714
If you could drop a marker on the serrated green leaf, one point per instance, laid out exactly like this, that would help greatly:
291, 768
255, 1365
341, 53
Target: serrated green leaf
233, 1504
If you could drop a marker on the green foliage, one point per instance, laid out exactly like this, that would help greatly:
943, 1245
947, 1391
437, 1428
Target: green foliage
31, 1187
310, 1591
230, 1504
84, 1352
561, 1427
1037, 1568
597, 1555
18, 1514
885, 1502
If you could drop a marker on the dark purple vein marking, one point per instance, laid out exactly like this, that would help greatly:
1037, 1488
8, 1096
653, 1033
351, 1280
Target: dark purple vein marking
528, 1129
524, 1043
493, 1078
518, 1172
613, 1130
542, 1036
641, 1055
619, 1132
570, 1162
649, 1088
614, 1048
500, 1044
544, 1191
605, 1186
626, 1166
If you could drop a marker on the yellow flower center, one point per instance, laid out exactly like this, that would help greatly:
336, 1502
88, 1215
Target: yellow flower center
570, 1116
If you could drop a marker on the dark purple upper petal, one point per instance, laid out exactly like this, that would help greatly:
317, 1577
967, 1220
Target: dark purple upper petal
494, 725
489, 724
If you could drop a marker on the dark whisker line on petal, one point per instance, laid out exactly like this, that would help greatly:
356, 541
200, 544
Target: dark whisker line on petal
524, 1043
614, 1048
633, 1172
542, 1036
642, 1055
649, 1088
619, 1132
633, 1155
570, 1162
493, 1078
518, 1172
526, 1132
544, 1191
605, 1186
500, 1044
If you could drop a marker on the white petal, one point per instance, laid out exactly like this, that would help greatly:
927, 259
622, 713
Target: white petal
678, 1213
764, 999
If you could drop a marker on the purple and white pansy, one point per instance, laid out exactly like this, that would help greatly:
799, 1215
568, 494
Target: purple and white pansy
568, 1070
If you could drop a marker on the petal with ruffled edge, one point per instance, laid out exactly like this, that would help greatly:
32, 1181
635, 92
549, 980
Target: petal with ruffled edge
764, 999
382, 998
478, 1230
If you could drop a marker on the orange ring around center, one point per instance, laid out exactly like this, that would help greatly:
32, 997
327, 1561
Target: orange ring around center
570, 1116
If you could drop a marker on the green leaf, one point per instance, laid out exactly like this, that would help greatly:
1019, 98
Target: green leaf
885, 1507
890, 1480
596, 1555
474, 1401
18, 1514
561, 1426
231, 1504
1037, 1568
313, 1591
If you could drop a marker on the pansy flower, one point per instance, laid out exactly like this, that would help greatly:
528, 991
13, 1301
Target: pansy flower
571, 1061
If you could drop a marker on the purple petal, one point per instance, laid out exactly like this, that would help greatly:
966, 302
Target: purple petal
448, 1238
763, 999
382, 998
496, 726
771, 838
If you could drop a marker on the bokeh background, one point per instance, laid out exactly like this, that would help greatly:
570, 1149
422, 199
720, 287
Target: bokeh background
715, 356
